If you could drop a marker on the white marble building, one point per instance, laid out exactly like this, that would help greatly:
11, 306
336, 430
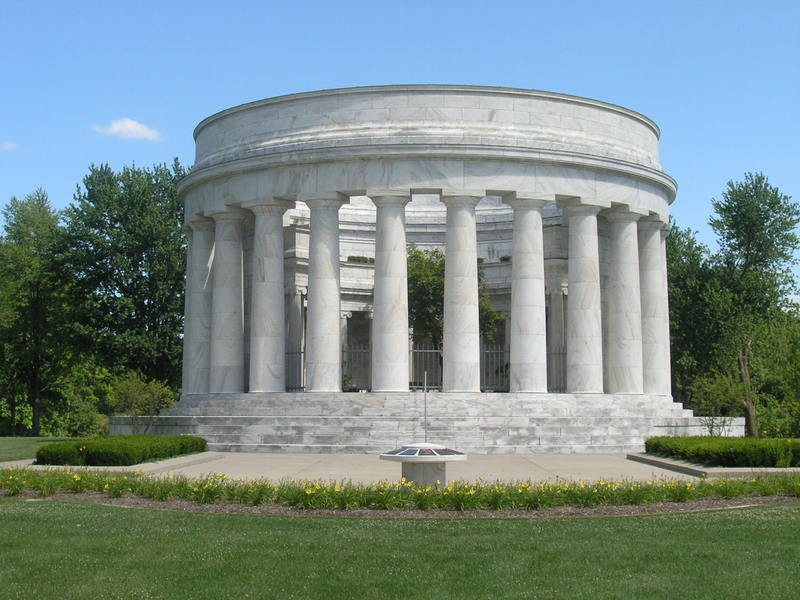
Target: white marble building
563, 198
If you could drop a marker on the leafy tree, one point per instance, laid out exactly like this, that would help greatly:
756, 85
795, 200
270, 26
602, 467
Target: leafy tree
32, 297
730, 310
693, 319
756, 230
124, 247
133, 395
426, 297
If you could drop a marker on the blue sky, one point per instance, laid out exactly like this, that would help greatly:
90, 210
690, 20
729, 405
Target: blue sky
721, 79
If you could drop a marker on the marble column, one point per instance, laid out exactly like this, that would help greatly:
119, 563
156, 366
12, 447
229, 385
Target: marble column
584, 324
197, 327
227, 314
528, 344
461, 339
323, 342
345, 315
624, 347
295, 338
390, 296
666, 348
655, 310
267, 312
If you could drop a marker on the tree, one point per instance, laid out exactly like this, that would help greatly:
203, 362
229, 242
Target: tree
756, 231
33, 298
426, 297
693, 319
141, 400
124, 246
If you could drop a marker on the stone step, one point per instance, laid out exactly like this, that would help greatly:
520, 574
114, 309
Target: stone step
479, 423
364, 449
566, 405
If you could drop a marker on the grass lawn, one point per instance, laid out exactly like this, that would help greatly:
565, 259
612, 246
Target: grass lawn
75, 550
17, 448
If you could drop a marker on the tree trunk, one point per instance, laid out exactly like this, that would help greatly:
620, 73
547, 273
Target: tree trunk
750, 414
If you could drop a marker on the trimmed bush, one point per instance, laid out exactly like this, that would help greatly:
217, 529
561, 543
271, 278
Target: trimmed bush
728, 451
122, 450
60, 453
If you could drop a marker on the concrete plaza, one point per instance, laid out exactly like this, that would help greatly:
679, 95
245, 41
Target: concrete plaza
369, 468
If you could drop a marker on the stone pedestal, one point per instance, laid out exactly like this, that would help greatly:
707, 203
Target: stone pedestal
461, 339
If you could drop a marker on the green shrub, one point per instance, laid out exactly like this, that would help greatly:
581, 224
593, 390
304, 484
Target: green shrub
60, 453
120, 450
728, 451
366, 260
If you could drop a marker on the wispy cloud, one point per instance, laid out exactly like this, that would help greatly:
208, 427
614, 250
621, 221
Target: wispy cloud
8, 146
128, 129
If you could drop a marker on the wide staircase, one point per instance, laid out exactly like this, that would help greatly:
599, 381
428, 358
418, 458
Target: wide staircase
479, 423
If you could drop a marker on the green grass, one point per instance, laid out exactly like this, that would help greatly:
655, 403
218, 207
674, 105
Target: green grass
73, 550
17, 448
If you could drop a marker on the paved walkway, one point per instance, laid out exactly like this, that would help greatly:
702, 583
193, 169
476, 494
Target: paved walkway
368, 467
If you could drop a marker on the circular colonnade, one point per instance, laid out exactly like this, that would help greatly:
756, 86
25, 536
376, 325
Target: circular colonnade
593, 165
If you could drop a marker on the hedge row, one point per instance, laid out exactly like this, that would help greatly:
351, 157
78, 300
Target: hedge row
121, 450
728, 451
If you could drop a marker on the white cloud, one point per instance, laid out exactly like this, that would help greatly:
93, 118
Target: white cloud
128, 129
9, 146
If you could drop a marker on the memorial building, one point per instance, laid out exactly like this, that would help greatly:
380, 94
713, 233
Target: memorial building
299, 211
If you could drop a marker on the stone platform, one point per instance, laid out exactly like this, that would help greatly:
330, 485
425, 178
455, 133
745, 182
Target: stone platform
476, 423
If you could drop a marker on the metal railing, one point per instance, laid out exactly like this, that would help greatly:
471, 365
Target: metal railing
557, 370
356, 368
494, 369
295, 372
427, 358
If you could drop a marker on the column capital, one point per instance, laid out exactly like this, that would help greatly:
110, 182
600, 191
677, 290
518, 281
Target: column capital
269, 206
576, 210
621, 214
523, 199
230, 214
346, 314
652, 222
200, 224
324, 199
315, 203
388, 198
461, 199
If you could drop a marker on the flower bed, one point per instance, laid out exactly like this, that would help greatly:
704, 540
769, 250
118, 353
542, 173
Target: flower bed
385, 495
121, 450
728, 451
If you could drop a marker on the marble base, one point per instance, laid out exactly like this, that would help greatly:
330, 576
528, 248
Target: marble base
476, 423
